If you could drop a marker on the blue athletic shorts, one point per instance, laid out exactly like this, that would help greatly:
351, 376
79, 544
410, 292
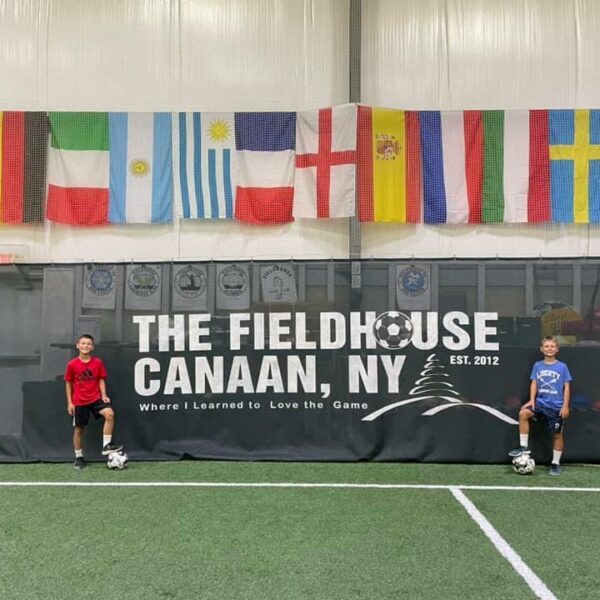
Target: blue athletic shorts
554, 422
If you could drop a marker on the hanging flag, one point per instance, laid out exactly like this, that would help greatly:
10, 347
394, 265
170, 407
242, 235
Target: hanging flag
78, 168
575, 165
278, 283
143, 287
99, 287
204, 165
265, 144
413, 287
388, 165
485, 166
141, 169
23, 148
325, 163
190, 284
233, 287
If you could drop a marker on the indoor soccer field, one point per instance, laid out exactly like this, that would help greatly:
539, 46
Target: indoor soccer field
298, 530
318, 266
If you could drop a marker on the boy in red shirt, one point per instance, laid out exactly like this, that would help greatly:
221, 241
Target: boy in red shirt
86, 394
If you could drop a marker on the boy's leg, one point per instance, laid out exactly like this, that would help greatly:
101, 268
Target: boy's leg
77, 439
559, 442
78, 447
525, 415
557, 450
109, 421
108, 445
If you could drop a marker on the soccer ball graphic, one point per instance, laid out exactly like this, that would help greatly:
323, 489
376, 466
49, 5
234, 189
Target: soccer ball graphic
117, 460
524, 464
392, 330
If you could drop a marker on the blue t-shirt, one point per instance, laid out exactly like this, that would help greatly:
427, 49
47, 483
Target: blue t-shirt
550, 379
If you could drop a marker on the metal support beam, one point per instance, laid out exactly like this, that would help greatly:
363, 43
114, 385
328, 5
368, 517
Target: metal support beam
354, 71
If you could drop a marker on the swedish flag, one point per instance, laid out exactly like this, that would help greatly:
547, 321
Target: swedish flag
575, 165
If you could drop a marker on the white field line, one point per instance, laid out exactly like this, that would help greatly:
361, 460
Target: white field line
236, 484
538, 587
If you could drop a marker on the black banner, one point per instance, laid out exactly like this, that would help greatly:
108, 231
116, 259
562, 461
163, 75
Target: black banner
328, 386
310, 360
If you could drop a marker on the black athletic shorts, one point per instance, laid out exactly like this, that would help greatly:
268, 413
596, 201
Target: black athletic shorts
82, 413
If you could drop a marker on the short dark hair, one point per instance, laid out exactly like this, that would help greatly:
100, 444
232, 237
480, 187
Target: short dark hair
86, 335
548, 338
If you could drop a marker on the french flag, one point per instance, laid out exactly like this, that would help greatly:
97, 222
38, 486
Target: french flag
265, 153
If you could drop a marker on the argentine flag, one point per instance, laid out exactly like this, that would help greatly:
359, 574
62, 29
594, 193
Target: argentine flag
141, 170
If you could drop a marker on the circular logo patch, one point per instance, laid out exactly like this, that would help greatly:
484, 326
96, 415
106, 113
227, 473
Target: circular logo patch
232, 281
190, 282
143, 281
100, 279
413, 281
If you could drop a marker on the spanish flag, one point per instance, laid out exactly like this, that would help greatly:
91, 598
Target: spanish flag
389, 165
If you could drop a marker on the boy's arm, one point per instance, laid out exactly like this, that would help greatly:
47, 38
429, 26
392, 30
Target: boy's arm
532, 394
69, 391
102, 386
564, 411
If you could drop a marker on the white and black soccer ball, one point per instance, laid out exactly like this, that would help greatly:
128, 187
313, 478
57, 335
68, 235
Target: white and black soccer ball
392, 330
524, 464
117, 461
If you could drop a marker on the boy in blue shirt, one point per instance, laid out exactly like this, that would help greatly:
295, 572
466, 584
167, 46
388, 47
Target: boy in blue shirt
549, 397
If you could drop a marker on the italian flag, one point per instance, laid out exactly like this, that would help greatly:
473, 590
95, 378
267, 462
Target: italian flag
23, 144
485, 166
78, 168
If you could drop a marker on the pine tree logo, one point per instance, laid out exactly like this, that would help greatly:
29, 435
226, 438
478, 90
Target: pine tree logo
434, 384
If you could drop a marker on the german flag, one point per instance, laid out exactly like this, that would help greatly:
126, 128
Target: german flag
23, 149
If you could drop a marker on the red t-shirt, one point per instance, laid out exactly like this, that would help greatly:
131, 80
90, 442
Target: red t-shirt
85, 377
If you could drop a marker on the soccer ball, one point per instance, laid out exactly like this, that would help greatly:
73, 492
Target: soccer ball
524, 464
392, 330
117, 460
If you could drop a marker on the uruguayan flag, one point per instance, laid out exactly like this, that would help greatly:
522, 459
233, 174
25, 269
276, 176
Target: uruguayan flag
204, 165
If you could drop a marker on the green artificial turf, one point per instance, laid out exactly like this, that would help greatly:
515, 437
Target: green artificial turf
240, 543
556, 534
218, 471
291, 543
